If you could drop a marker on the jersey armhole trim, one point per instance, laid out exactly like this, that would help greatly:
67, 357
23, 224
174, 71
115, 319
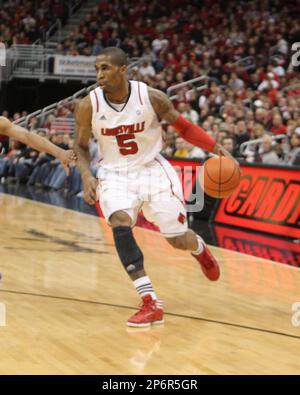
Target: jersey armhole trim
148, 101
139, 92
97, 101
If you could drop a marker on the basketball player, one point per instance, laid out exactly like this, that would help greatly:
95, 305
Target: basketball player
7, 128
124, 116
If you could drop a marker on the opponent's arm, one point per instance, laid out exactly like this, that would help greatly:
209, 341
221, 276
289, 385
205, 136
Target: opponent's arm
83, 118
37, 142
192, 133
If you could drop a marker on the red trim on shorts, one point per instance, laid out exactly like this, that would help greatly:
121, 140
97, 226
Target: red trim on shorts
139, 93
173, 193
96, 100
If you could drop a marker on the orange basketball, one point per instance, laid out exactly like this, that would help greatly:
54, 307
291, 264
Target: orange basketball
221, 176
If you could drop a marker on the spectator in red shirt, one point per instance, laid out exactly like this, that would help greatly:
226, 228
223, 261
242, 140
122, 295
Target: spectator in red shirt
278, 127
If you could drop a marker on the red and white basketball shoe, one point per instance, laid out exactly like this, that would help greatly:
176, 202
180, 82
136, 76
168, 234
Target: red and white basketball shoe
150, 313
209, 264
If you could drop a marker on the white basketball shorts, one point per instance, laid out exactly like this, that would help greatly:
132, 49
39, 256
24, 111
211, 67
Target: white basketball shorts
154, 188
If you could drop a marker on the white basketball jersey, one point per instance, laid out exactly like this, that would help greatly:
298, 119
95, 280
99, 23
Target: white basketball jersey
129, 137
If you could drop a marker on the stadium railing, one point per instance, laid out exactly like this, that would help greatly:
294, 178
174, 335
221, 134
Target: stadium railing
37, 61
56, 27
254, 142
198, 83
248, 63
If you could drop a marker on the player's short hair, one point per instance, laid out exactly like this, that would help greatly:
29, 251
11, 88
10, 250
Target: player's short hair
117, 55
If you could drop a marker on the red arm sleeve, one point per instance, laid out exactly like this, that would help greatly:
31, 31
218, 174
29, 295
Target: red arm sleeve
194, 134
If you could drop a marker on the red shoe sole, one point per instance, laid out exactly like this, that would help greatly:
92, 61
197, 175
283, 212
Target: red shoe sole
144, 325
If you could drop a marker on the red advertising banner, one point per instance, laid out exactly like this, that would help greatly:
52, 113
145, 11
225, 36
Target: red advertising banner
260, 245
267, 200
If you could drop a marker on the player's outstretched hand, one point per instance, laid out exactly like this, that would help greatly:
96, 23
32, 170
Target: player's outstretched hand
90, 184
68, 159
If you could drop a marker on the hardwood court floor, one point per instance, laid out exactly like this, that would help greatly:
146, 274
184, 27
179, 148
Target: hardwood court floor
67, 299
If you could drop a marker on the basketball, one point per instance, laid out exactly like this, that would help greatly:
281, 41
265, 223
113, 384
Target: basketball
221, 176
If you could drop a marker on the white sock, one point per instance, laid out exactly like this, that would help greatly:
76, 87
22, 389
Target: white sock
201, 245
144, 287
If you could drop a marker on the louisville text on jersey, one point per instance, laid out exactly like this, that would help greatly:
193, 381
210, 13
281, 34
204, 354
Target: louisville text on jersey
124, 129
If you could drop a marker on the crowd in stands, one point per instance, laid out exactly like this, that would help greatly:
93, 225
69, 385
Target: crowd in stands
25, 21
184, 39
238, 100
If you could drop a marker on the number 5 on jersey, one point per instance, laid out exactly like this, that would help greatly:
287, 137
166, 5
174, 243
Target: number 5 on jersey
126, 145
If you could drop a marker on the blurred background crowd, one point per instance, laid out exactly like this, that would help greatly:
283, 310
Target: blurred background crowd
250, 92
